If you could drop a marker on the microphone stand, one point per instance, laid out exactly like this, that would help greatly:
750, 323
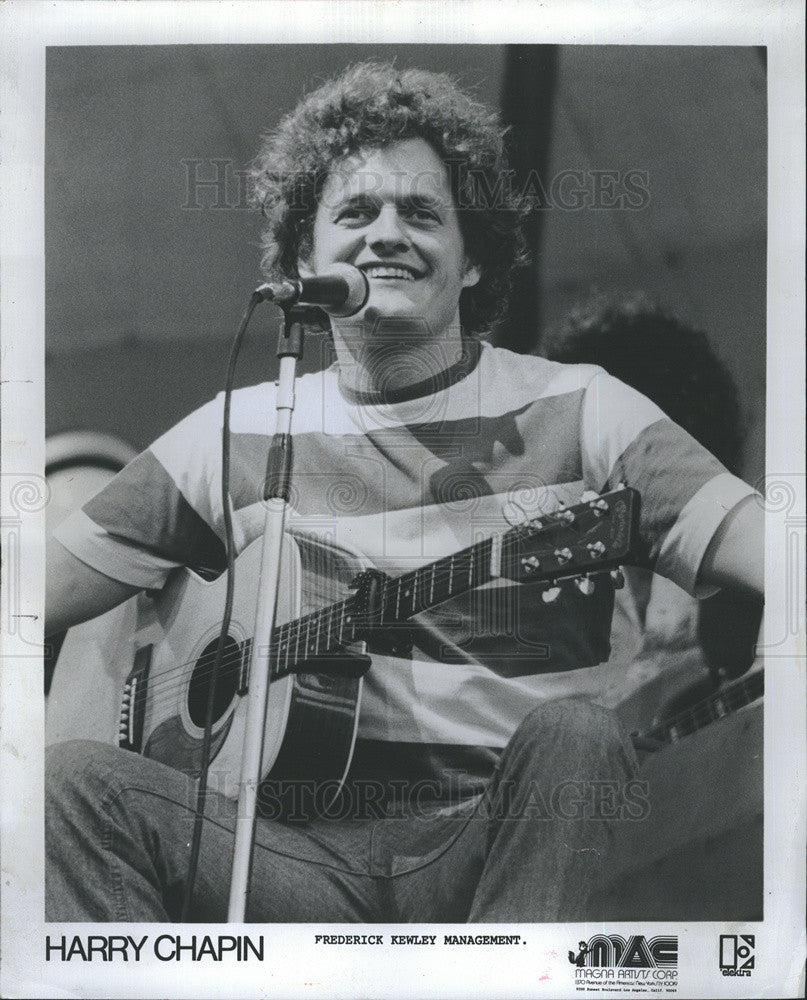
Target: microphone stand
276, 496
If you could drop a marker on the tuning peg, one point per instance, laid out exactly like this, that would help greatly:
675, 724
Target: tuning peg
585, 585
617, 579
531, 564
596, 549
550, 594
564, 555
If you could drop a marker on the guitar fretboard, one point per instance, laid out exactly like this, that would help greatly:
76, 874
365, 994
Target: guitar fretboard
587, 538
400, 598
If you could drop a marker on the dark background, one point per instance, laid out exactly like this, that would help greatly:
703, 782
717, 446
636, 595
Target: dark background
144, 291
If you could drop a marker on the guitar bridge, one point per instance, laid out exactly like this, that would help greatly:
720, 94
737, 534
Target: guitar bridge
133, 702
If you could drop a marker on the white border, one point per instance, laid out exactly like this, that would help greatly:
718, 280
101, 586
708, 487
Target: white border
294, 967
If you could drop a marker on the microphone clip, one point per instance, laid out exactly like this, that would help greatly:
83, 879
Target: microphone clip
314, 319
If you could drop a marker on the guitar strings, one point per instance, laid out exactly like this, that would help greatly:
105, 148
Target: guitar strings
159, 678
291, 632
170, 681
465, 562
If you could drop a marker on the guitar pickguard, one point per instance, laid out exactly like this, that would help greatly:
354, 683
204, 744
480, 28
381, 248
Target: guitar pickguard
170, 743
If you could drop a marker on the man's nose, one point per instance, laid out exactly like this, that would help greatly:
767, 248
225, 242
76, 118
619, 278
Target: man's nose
387, 233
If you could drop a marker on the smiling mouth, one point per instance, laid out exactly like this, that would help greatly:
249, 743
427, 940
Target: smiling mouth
387, 271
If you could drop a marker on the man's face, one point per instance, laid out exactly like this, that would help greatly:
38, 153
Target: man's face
390, 212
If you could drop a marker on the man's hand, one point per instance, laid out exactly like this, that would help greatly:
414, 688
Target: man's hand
74, 592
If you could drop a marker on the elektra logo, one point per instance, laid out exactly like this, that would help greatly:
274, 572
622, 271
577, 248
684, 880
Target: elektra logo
736, 954
610, 960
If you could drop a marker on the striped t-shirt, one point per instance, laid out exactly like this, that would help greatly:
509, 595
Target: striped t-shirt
405, 483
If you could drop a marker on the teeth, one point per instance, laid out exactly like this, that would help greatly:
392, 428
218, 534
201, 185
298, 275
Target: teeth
389, 272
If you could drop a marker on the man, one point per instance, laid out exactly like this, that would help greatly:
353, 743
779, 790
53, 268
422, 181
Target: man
440, 438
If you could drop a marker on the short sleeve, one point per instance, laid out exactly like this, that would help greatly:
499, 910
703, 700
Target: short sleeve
685, 491
163, 510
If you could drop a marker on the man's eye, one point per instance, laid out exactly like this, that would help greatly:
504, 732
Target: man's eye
423, 215
353, 214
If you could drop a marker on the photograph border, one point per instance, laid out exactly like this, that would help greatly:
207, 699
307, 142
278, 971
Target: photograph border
295, 965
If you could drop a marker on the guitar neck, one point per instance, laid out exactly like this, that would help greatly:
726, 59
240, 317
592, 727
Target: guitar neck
400, 598
587, 538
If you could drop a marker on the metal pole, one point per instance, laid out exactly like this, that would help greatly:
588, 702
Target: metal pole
276, 494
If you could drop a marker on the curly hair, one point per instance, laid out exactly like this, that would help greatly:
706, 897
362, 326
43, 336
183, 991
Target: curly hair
370, 106
670, 362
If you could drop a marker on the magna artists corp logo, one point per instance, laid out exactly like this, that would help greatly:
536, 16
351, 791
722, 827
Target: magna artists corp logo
613, 959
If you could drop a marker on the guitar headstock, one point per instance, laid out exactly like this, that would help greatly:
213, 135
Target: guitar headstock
574, 543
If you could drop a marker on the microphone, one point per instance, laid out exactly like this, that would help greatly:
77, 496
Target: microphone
342, 291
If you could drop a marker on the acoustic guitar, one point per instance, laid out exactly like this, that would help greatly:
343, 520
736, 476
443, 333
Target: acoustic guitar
319, 652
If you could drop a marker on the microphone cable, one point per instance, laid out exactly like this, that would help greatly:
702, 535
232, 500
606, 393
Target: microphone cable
229, 542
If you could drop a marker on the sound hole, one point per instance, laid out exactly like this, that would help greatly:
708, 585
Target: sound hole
226, 684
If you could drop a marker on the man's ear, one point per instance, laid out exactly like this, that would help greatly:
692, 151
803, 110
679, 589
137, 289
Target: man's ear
472, 275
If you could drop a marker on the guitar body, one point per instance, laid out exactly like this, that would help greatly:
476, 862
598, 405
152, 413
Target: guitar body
161, 700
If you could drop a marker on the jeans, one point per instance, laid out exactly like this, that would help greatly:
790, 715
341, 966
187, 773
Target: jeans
531, 848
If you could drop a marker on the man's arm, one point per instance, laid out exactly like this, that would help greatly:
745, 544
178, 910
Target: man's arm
74, 592
736, 554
